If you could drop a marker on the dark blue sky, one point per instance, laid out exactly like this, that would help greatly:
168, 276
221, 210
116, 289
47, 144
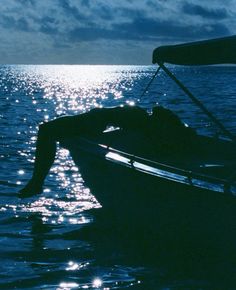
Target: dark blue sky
106, 32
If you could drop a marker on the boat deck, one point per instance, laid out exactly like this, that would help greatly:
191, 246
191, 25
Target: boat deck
210, 164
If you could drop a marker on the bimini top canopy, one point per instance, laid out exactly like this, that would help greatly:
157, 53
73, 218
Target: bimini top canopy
214, 51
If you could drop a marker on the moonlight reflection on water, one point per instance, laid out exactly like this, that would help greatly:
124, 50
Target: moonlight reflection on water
50, 241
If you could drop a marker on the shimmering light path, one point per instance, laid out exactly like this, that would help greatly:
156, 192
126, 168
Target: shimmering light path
56, 240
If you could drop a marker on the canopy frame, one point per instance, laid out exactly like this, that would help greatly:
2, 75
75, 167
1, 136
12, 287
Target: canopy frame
206, 52
197, 102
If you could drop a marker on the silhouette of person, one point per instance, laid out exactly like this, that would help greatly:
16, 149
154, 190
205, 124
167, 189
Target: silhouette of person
162, 124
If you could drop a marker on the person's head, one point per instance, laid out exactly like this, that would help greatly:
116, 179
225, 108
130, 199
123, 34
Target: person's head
158, 111
164, 118
156, 118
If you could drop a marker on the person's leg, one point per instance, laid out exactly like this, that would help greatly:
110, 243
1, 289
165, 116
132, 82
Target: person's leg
48, 134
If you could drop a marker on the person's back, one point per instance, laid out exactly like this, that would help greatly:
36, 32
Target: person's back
96, 120
163, 128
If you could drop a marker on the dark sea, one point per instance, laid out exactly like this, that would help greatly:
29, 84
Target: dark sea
42, 240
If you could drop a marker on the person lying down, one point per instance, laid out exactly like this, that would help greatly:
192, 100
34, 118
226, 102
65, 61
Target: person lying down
161, 125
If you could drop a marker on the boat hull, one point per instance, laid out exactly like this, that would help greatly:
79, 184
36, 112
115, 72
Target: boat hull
120, 186
106, 168
156, 220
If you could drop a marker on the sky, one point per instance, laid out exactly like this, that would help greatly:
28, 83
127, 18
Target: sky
106, 32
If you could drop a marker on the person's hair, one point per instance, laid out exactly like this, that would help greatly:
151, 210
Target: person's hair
167, 116
158, 110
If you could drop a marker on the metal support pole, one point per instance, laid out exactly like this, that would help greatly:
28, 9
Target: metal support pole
198, 103
152, 79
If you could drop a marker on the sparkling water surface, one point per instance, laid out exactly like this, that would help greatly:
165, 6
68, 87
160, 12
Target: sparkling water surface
40, 237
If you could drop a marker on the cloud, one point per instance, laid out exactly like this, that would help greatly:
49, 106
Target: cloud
144, 28
71, 10
48, 26
9, 22
27, 2
86, 3
54, 30
208, 13
104, 12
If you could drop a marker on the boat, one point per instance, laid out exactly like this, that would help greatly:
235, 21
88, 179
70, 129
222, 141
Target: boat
172, 211
128, 161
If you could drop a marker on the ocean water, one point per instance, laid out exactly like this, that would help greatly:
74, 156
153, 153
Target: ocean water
42, 245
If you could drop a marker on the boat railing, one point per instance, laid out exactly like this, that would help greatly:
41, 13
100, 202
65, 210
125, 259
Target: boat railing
188, 173
154, 167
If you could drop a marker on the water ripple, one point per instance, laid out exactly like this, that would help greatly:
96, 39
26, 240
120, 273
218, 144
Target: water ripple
47, 242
